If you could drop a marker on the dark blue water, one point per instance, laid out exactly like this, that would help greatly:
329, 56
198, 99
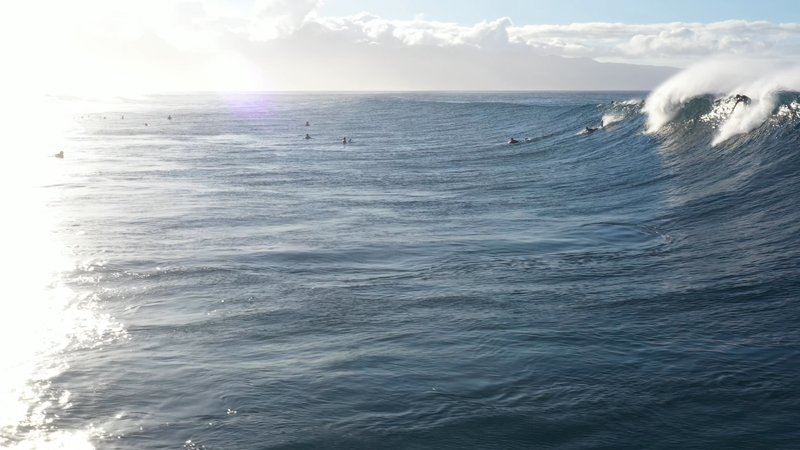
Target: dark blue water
428, 285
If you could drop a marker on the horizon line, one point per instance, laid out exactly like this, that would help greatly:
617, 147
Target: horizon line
343, 91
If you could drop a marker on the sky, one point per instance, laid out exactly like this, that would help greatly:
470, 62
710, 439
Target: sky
113, 47
571, 11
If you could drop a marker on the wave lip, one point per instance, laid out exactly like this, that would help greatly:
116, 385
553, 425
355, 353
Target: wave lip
723, 78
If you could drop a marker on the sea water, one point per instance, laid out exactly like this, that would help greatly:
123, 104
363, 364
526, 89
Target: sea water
222, 282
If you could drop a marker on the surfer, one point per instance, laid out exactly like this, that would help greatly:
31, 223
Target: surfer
344, 140
740, 98
307, 124
513, 141
60, 154
307, 136
590, 130
169, 117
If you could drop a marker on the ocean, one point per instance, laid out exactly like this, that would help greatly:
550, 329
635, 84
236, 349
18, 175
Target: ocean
197, 275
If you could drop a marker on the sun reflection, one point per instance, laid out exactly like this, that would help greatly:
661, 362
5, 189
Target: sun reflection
41, 318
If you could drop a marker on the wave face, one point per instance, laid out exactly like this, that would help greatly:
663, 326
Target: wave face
427, 285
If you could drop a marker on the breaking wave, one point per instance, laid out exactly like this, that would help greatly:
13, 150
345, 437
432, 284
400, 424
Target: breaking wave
706, 92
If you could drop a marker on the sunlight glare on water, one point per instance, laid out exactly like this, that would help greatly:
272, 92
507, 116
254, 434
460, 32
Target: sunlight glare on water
41, 318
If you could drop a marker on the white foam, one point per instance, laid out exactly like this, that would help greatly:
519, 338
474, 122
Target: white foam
790, 111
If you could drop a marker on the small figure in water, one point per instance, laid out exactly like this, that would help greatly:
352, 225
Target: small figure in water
169, 117
344, 140
145, 124
590, 130
513, 141
307, 136
123, 117
349, 140
60, 154
307, 124
740, 99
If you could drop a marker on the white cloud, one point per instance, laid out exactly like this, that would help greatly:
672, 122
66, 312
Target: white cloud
675, 43
286, 44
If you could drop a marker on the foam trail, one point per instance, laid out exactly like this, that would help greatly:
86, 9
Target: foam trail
632, 102
610, 119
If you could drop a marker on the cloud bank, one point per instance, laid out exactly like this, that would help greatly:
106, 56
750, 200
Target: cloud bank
675, 43
286, 44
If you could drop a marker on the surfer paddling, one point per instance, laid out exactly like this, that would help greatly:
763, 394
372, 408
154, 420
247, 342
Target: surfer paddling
590, 130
